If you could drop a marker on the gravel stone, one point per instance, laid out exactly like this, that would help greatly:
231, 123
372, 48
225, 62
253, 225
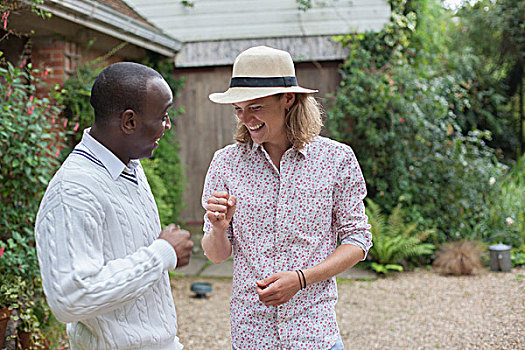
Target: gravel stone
411, 310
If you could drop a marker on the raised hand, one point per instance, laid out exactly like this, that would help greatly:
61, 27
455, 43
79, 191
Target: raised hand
220, 208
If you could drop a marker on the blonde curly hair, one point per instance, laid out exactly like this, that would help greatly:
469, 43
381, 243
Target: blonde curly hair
303, 122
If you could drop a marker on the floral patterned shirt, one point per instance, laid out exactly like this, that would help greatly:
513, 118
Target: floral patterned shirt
287, 220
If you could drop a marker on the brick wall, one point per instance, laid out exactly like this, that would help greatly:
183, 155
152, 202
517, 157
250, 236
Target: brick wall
49, 54
58, 59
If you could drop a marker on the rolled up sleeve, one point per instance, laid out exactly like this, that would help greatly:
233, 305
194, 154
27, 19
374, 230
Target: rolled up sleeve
350, 220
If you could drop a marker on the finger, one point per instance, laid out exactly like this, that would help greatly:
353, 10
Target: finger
220, 194
215, 216
216, 207
232, 201
217, 200
260, 284
272, 301
267, 281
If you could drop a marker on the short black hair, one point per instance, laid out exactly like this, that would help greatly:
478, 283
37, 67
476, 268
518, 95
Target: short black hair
119, 87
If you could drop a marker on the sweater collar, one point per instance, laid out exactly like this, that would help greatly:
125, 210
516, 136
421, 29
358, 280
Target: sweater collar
111, 162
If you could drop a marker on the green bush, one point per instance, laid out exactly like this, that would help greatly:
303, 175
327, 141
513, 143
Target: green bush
494, 32
166, 178
77, 108
400, 106
30, 144
29, 148
505, 214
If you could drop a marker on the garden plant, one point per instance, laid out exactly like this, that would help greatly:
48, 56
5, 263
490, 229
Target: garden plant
433, 131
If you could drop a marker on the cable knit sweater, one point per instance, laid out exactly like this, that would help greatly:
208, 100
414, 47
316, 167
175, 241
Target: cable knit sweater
103, 269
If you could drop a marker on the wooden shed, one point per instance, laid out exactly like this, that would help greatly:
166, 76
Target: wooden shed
214, 32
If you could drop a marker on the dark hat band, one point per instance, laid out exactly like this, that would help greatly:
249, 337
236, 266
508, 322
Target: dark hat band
263, 82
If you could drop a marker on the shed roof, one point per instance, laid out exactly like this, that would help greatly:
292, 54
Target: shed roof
209, 20
116, 19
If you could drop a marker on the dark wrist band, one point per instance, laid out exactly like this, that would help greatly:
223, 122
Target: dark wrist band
300, 281
304, 279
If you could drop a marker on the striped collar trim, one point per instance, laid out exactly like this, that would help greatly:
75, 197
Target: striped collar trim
110, 161
127, 175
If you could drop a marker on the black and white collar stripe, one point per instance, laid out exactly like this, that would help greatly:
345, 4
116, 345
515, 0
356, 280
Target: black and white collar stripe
88, 156
130, 176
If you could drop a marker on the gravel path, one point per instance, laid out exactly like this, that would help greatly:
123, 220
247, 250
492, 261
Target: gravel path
416, 310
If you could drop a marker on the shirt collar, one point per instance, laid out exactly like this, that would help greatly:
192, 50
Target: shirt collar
303, 150
110, 161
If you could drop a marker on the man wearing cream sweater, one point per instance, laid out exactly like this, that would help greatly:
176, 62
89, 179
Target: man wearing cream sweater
103, 257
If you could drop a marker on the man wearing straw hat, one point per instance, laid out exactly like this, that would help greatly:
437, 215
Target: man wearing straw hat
280, 198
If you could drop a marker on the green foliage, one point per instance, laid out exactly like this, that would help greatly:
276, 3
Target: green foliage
29, 147
394, 241
166, 68
304, 5
188, 3
385, 269
28, 137
504, 219
493, 32
157, 187
166, 178
402, 106
517, 256
28, 310
76, 102
6, 7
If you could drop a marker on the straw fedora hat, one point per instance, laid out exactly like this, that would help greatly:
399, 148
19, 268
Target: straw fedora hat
259, 72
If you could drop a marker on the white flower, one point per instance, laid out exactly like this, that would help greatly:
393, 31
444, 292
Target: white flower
492, 181
509, 221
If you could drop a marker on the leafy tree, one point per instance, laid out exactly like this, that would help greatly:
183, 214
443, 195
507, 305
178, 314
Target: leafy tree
494, 31
400, 105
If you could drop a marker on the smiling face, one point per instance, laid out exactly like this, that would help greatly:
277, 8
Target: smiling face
153, 120
264, 118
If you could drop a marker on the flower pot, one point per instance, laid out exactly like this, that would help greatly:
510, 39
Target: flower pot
25, 342
5, 313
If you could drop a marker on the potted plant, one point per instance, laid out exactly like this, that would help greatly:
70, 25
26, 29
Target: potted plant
8, 295
29, 333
